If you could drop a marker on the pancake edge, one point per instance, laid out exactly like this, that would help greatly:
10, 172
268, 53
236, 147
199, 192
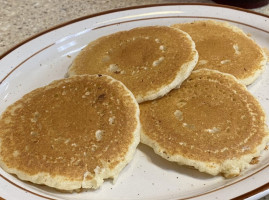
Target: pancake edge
182, 75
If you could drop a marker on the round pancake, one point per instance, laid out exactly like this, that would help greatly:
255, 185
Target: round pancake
150, 61
211, 123
226, 48
72, 133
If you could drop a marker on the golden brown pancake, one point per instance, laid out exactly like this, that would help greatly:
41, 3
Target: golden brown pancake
150, 61
70, 134
226, 48
211, 123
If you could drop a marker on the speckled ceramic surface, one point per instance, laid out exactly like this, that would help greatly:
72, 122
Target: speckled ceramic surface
47, 57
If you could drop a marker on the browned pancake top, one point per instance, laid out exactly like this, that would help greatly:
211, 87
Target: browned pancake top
211, 118
69, 127
224, 48
144, 59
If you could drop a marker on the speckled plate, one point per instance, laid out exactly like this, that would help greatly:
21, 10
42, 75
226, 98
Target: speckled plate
46, 57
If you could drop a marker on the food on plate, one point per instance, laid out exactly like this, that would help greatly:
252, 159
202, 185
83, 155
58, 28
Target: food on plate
211, 123
78, 131
226, 48
150, 61
72, 133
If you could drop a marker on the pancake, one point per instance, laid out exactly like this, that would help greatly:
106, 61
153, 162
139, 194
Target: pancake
211, 123
226, 48
150, 61
70, 134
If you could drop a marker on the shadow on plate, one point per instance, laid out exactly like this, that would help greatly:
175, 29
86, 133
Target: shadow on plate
172, 166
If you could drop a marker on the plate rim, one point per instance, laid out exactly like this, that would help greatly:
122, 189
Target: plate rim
253, 192
5, 53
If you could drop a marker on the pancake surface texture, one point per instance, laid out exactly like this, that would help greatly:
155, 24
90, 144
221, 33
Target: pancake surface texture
150, 61
211, 123
70, 134
226, 48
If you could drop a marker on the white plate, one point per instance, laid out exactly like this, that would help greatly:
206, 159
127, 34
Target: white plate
46, 57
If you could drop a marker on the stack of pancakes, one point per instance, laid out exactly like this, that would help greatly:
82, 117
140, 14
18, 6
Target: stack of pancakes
78, 131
